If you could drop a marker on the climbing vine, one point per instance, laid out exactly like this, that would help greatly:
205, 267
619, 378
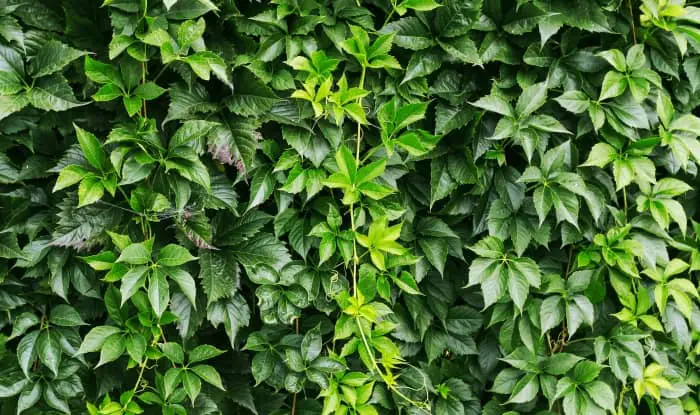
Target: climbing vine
349, 207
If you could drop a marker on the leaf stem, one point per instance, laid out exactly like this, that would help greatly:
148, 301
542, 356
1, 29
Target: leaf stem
389, 16
568, 262
162, 70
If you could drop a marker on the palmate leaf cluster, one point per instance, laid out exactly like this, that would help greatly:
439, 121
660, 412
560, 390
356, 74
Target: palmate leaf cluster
349, 207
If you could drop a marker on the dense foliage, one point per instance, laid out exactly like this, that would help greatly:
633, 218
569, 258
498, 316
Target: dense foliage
349, 207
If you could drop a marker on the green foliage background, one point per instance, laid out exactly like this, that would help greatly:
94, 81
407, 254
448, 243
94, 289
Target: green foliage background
349, 207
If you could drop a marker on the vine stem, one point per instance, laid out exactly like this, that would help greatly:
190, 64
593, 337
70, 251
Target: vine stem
143, 81
356, 260
624, 199
634, 30
358, 140
621, 399
138, 382
378, 369
359, 126
294, 397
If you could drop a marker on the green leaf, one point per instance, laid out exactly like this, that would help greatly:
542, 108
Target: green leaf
635, 58
262, 366
219, 274
261, 249
190, 31
561, 363
11, 71
192, 385
615, 58
11, 104
548, 124
187, 102
614, 84
497, 104
420, 5
22, 323
551, 313
158, 292
66, 316
136, 347
119, 44
49, 350
586, 371
52, 57
601, 394
601, 155
52, 93
421, 64
407, 283
92, 148
525, 389
573, 101
532, 98
90, 191
29, 397
148, 91
251, 97
173, 351
174, 255
53, 400
209, 375
107, 92
234, 141
409, 33
455, 18
311, 344
27, 351
462, 48
112, 349
261, 188
69, 176
132, 104
132, 281
102, 73
137, 253
96, 337
186, 283
435, 250
204, 352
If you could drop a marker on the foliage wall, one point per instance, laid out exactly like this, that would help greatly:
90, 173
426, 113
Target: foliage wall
349, 207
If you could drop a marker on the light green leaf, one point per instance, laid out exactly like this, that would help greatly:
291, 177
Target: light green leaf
614, 84
174, 255
137, 253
